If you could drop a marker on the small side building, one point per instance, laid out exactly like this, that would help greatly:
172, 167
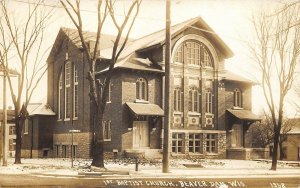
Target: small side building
37, 136
10, 133
291, 146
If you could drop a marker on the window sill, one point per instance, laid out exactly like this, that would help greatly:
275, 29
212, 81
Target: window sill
59, 120
67, 119
26, 133
194, 113
141, 101
108, 102
190, 153
237, 108
212, 154
75, 118
177, 113
106, 140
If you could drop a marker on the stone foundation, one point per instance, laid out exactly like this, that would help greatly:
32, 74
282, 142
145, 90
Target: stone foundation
247, 153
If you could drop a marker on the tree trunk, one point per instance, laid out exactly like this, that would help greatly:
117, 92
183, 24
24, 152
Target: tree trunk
275, 149
281, 153
19, 127
98, 151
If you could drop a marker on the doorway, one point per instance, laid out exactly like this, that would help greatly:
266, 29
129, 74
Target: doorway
140, 134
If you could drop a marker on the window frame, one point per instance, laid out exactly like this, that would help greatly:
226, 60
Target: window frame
194, 99
193, 52
177, 140
237, 98
178, 99
12, 144
68, 67
26, 126
106, 130
211, 143
208, 101
141, 89
75, 93
194, 140
60, 92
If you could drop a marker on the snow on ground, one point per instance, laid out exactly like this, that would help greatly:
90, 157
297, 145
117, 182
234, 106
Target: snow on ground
59, 166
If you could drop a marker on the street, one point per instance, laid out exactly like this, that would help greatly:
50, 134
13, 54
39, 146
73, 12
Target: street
127, 181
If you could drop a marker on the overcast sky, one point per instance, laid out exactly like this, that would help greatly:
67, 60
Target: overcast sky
230, 19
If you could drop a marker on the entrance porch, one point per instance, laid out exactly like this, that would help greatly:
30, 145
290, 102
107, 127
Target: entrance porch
239, 139
144, 136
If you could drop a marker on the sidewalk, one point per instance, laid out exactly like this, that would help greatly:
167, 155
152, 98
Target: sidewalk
178, 169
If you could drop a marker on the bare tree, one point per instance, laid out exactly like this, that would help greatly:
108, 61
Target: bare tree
276, 51
21, 40
263, 132
104, 8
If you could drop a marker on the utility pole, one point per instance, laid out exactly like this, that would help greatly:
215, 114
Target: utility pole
4, 156
166, 152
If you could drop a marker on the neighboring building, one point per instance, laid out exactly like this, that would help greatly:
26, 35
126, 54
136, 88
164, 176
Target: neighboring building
37, 135
291, 146
210, 108
10, 133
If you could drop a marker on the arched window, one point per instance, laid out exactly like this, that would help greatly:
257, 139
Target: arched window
141, 89
194, 100
178, 99
60, 90
75, 95
208, 99
193, 52
67, 90
237, 96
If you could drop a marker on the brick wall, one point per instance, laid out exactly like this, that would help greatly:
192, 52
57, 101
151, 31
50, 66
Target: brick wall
81, 140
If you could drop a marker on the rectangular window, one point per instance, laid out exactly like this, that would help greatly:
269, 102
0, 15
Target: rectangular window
208, 102
107, 130
26, 126
12, 144
59, 97
178, 100
74, 151
75, 95
12, 130
195, 143
109, 93
211, 143
177, 142
56, 150
64, 151
67, 90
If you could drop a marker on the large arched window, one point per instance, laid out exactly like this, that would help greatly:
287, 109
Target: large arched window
141, 89
237, 96
208, 99
178, 99
67, 89
60, 90
194, 53
194, 100
75, 94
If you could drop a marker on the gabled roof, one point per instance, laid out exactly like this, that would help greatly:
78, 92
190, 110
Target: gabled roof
106, 41
244, 114
39, 109
158, 38
230, 76
136, 64
295, 124
145, 109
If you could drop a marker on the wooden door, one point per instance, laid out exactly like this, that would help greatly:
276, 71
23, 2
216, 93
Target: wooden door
237, 136
140, 134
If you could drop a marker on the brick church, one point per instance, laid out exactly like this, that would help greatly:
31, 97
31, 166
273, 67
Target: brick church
210, 108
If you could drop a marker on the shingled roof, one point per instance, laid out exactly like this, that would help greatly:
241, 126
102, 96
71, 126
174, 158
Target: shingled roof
158, 38
106, 40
